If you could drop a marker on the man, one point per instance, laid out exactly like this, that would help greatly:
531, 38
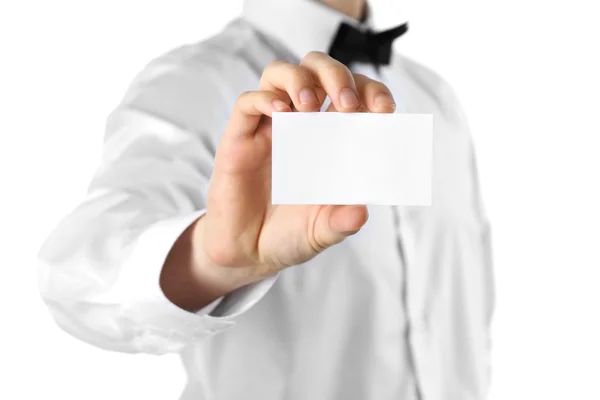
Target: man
177, 249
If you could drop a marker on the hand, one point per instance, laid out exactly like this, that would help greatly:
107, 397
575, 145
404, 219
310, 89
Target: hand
242, 230
243, 238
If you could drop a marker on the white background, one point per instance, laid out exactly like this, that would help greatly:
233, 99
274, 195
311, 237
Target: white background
528, 75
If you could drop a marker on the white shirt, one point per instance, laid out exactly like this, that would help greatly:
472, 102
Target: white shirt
401, 310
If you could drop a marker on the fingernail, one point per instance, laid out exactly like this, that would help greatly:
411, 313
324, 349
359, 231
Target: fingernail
348, 98
308, 96
280, 105
384, 100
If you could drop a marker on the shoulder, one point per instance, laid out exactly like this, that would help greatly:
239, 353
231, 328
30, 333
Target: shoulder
197, 84
217, 59
431, 88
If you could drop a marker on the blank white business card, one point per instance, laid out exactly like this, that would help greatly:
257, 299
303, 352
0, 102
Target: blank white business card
359, 158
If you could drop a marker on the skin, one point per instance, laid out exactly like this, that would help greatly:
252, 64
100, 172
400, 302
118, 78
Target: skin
352, 8
242, 238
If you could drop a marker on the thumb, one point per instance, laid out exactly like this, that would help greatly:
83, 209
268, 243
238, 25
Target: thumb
338, 222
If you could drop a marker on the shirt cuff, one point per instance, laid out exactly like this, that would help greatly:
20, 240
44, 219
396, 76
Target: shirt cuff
162, 326
206, 310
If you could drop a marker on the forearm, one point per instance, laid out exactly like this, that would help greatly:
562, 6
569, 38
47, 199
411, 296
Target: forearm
101, 270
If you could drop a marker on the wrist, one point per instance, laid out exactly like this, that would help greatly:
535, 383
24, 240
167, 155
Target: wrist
188, 279
223, 278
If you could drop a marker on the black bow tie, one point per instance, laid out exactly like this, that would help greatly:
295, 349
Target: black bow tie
353, 45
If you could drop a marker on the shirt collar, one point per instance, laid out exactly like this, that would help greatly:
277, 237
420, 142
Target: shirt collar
301, 25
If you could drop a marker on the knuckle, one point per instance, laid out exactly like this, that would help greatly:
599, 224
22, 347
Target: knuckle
268, 265
245, 100
252, 96
361, 78
300, 75
317, 244
368, 85
283, 73
337, 69
315, 55
373, 85
244, 96
275, 65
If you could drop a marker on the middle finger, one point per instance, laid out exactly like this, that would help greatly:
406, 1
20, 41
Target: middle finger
335, 78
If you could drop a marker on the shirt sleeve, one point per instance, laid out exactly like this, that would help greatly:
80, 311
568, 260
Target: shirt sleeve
99, 269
